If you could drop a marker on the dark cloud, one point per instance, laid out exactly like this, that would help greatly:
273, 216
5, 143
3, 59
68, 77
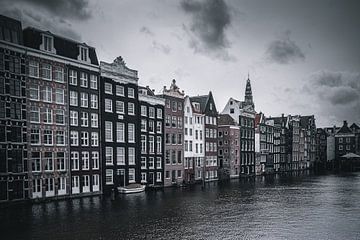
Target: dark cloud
336, 94
210, 18
161, 47
284, 50
146, 31
29, 14
73, 9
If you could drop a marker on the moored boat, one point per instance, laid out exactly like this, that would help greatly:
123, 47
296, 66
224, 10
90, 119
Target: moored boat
131, 188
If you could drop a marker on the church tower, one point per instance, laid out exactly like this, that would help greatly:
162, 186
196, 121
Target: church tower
248, 94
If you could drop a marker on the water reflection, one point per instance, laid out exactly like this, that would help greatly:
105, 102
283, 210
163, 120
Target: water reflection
270, 207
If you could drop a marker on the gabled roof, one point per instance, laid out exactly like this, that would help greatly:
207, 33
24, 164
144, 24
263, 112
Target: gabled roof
226, 119
304, 120
355, 127
202, 100
344, 129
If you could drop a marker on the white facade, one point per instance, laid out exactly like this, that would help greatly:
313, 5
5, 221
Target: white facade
194, 138
233, 108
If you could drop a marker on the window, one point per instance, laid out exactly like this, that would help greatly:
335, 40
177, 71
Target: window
75, 184
35, 162
108, 131
168, 121
151, 126
179, 173
158, 163
86, 183
109, 177
60, 137
131, 175
74, 158
143, 110
73, 118
143, 125
158, 127
151, 112
96, 182
85, 160
143, 177
143, 162
158, 177
108, 88
158, 144
151, 144
108, 105
94, 139
119, 90
94, 120
35, 136
120, 156
131, 93
49, 186
109, 156
159, 113
34, 114
131, 109
84, 119
173, 122
131, 133
60, 159
131, 156
47, 43
167, 156
83, 53
84, 100
120, 107
48, 160
34, 92
95, 159
143, 144
47, 115
47, 94
151, 162
174, 106
74, 138
46, 71
58, 74
72, 77
59, 116
120, 130
84, 139
94, 101
48, 137
73, 98
33, 69
93, 81
83, 80
59, 96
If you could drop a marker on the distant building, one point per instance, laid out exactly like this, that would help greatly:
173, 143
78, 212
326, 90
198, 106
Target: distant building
174, 132
228, 146
321, 146
243, 112
152, 137
14, 163
207, 107
194, 141
345, 142
119, 125
356, 130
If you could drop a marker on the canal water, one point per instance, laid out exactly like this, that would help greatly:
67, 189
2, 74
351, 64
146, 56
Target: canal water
301, 207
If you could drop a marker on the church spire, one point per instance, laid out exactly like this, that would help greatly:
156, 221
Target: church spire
248, 94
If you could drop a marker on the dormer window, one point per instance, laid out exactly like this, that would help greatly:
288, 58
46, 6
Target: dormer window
84, 54
47, 43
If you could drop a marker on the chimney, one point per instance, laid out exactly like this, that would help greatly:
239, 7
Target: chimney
345, 123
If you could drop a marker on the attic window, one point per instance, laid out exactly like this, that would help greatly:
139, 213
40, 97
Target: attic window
197, 106
211, 106
231, 102
47, 43
84, 54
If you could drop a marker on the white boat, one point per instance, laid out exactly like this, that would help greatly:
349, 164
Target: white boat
132, 188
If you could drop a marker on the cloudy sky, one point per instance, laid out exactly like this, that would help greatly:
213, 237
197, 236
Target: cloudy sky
303, 57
